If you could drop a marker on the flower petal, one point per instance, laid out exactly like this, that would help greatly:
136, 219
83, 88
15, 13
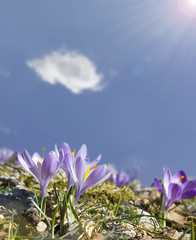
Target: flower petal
23, 163
67, 162
49, 167
82, 152
66, 148
67, 166
166, 179
122, 179
29, 166
177, 177
79, 169
5, 155
188, 185
56, 149
174, 193
113, 177
159, 186
37, 159
94, 162
96, 177
189, 194
28, 159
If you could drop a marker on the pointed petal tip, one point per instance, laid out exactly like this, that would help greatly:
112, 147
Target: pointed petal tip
158, 186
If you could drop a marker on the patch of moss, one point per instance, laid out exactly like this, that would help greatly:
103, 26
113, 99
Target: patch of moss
108, 194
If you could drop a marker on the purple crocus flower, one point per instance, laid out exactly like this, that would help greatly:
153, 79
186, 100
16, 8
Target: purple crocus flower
133, 174
5, 155
175, 187
87, 176
67, 162
81, 171
70, 158
123, 178
120, 178
42, 169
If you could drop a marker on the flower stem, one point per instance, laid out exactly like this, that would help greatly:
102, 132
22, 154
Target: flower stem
73, 197
164, 215
43, 206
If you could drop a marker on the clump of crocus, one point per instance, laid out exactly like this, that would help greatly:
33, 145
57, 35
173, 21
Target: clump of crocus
123, 178
42, 169
175, 187
120, 178
5, 155
82, 174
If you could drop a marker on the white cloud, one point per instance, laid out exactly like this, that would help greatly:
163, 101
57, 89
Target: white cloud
70, 69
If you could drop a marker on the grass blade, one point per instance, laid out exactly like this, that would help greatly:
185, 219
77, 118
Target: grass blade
117, 206
78, 220
53, 219
192, 230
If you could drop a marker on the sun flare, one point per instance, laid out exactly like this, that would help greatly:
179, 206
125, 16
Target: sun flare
192, 2
188, 7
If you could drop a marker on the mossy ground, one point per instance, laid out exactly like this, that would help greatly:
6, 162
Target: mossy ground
96, 210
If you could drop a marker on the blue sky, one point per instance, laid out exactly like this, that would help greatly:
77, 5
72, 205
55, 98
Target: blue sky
119, 76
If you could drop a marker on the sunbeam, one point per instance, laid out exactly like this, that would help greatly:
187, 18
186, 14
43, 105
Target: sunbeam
188, 7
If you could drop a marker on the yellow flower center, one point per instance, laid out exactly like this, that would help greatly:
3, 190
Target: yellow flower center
88, 170
181, 177
42, 159
73, 152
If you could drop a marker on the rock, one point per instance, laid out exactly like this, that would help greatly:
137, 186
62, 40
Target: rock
32, 215
148, 222
41, 226
19, 192
130, 230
